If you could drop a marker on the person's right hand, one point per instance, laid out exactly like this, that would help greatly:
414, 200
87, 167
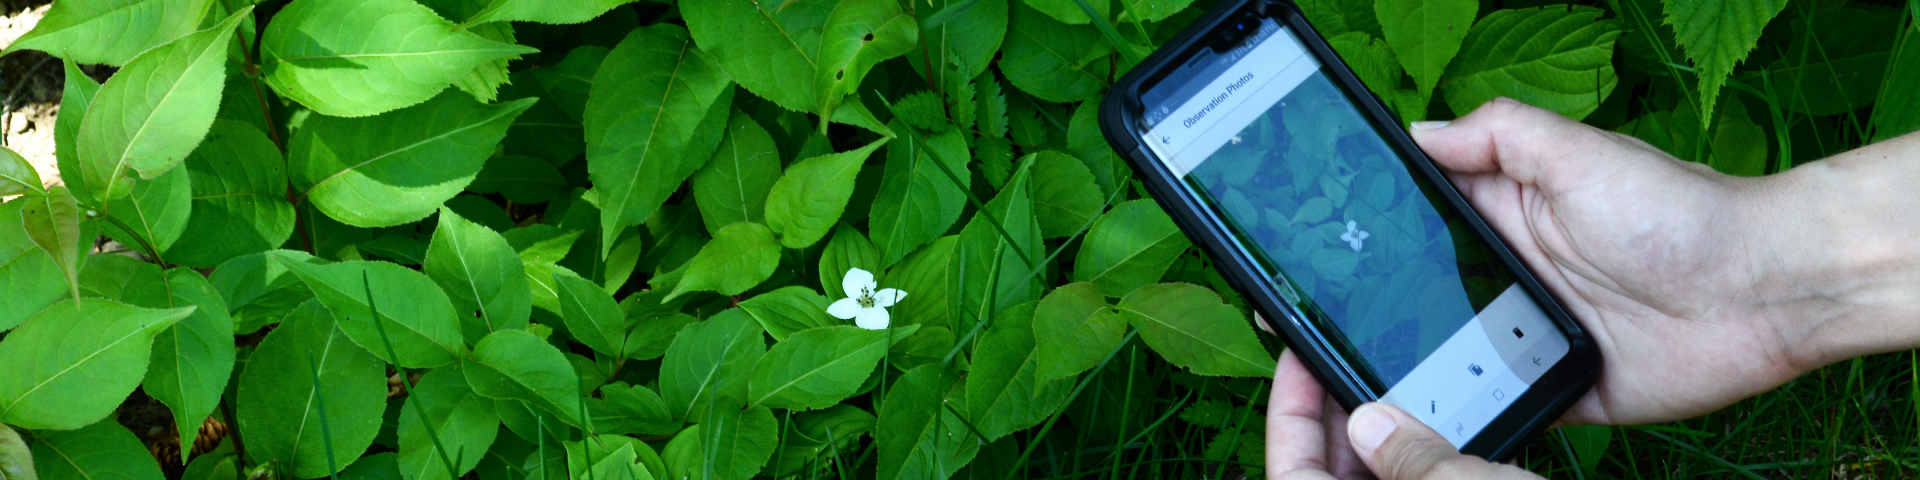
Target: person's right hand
1673, 268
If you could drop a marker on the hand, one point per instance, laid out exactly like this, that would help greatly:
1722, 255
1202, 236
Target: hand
1307, 438
1668, 264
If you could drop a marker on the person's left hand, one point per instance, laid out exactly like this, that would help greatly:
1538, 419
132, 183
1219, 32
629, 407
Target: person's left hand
1310, 437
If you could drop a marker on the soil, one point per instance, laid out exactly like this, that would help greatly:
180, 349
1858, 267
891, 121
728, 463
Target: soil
30, 85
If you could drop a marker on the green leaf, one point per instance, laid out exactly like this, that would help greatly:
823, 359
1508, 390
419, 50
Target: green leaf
916, 437
1717, 35
1897, 111
356, 72
1073, 330
624, 408
1134, 11
1052, 60
415, 313
917, 201
1087, 144
1004, 392
276, 398
258, 288
1373, 61
1065, 196
16, 461
157, 211
1130, 246
710, 359
1334, 18
1068, 11
218, 466
658, 112
1838, 66
30, 278
591, 315
809, 199
848, 250
788, 310
996, 254
621, 464
102, 450
1189, 326
1739, 145
858, 35
398, 167
931, 277
736, 442
239, 202
817, 368
814, 435
483, 82
1425, 35
16, 175
153, 112
77, 95
555, 13
110, 31
520, 178
771, 49
516, 365
1559, 58
740, 256
733, 185
192, 360
651, 335
481, 275
379, 466
922, 110
971, 34
464, 420
74, 362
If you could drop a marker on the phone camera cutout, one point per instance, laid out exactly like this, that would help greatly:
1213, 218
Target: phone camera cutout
1519, 334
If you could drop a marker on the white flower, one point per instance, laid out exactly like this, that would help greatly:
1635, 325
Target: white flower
1354, 236
866, 304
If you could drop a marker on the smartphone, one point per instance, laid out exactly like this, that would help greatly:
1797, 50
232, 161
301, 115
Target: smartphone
1313, 202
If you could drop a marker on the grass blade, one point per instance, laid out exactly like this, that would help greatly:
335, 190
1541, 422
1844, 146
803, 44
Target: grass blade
406, 385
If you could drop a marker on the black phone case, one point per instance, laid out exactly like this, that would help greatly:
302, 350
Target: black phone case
1120, 111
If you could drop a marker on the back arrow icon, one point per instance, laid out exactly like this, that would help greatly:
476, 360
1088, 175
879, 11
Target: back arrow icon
1536, 360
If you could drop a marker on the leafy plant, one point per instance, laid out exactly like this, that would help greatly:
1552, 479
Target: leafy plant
599, 239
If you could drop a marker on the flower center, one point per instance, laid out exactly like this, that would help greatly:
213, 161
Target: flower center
866, 298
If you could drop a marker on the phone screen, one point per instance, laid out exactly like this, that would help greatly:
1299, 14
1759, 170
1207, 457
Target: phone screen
1359, 242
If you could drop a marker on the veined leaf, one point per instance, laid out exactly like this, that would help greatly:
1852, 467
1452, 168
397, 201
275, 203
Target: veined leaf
858, 35
1134, 11
29, 279
157, 210
76, 96
153, 112
16, 175
1065, 195
1717, 35
74, 362
788, 310
516, 365
1068, 11
996, 263
1371, 59
591, 315
482, 276
239, 202
932, 278
110, 31
398, 167
104, 449
1559, 58
737, 442
916, 436
1086, 143
972, 35
258, 288
917, 201
1836, 63
415, 313
379, 466
520, 178
192, 360
276, 399
809, 199
624, 408
307, 55
1073, 329
53, 223
1897, 111
464, 420
1425, 35
740, 256
1334, 18
537, 11
483, 82
658, 111
1130, 246
849, 249
1052, 60
710, 359
1004, 392
815, 435
1189, 326
819, 367
770, 49
733, 185
218, 466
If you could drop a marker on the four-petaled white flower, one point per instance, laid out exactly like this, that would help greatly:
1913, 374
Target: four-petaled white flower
1354, 236
866, 303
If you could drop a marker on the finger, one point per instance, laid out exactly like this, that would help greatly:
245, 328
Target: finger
1295, 438
1342, 462
1398, 447
1524, 142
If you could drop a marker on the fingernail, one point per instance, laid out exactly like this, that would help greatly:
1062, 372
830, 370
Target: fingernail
1430, 125
1369, 427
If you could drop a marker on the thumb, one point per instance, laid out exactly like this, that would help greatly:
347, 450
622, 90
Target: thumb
1396, 446
1527, 143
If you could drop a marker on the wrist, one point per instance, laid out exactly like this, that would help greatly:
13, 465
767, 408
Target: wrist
1840, 256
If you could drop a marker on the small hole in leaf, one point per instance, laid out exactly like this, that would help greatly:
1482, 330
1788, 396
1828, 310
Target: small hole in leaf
867, 38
